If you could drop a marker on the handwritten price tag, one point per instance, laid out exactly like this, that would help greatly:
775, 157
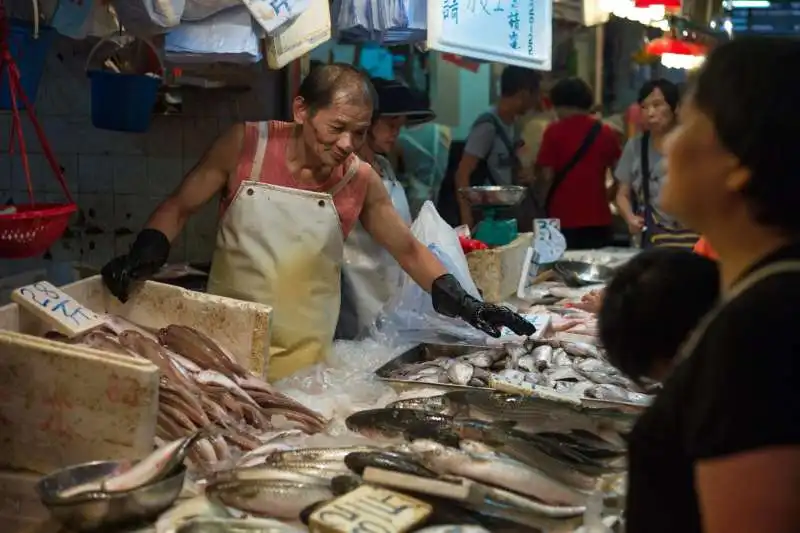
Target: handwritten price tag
57, 308
372, 509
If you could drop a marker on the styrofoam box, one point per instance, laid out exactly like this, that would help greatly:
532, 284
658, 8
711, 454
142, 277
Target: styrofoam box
62, 404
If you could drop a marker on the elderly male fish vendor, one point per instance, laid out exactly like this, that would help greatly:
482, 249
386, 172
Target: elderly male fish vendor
291, 193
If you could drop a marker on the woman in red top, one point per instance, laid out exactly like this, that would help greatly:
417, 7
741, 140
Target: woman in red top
576, 152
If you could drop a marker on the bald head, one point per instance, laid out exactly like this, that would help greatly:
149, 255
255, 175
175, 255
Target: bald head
335, 83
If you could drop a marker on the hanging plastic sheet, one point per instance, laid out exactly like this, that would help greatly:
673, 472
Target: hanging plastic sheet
148, 17
197, 10
86, 19
354, 20
228, 36
272, 14
409, 317
402, 21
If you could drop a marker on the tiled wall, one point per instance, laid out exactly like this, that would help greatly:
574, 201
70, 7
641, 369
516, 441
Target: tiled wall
118, 178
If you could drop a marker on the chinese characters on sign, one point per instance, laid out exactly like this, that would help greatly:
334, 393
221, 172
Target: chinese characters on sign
531, 20
277, 5
450, 10
513, 24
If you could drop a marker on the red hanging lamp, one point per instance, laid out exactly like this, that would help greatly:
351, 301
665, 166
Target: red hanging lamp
28, 230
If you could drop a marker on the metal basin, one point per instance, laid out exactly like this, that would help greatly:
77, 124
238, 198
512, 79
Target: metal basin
100, 511
495, 195
579, 273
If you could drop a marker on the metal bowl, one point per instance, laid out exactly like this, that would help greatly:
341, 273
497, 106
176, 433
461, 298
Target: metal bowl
94, 511
505, 195
579, 273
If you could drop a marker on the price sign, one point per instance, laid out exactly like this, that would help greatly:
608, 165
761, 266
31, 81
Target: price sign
55, 307
513, 32
370, 509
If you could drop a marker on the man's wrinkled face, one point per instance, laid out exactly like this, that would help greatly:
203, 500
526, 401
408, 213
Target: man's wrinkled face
334, 132
384, 133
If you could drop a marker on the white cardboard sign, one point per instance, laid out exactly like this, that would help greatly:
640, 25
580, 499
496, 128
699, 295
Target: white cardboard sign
54, 306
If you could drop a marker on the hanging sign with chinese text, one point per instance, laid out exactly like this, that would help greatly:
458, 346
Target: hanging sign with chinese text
514, 32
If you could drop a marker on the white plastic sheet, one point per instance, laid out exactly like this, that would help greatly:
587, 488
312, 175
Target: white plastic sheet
148, 17
409, 318
228, 36
387, 21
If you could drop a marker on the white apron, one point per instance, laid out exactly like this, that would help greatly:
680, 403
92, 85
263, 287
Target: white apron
283, 247
370, 275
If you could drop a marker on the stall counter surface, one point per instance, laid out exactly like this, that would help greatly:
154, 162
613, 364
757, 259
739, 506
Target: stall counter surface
409, 431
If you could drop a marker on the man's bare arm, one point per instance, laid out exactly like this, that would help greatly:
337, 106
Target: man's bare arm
205, 180
382, 221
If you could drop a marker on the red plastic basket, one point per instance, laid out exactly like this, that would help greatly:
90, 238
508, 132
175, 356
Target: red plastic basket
31, 228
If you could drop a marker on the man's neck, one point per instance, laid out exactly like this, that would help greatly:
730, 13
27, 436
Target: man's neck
301, 163
740, 245
506, 111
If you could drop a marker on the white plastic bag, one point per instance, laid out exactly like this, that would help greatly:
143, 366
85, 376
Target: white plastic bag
148, 17
548, 241
229, 36
409, 317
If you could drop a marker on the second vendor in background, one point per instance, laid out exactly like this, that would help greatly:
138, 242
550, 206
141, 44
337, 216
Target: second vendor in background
291, 193
370, 275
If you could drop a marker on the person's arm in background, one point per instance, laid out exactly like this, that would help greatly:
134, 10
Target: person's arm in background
151, 248
624, 173
613, 151
479, 144
384, 224
546, 161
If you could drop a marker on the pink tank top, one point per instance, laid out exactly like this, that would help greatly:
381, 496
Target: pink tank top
349, 201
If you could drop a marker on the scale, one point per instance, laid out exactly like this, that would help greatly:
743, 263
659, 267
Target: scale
492, 201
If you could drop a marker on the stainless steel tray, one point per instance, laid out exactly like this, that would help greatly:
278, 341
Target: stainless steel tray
422, 353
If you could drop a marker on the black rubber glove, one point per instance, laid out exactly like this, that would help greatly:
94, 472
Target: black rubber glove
450, 299
148, 253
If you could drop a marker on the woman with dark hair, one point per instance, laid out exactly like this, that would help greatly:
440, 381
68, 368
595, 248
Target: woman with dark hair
576, 152
641, 171
719, 449
291, 192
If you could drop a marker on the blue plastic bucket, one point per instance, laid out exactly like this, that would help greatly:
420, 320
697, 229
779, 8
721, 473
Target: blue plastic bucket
29, 54
123, 102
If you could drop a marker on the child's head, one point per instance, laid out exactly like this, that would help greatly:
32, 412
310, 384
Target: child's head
651, 305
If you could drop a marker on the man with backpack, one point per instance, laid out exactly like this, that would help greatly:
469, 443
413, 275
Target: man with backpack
490, 154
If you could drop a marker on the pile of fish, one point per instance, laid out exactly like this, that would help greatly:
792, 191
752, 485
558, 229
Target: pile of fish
518, 475
201, 387
571, 369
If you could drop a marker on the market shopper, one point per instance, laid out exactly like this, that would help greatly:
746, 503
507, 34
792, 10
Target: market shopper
490, 154
291, 193
576, 153
719, 449
641, 172
637, 337
370, 275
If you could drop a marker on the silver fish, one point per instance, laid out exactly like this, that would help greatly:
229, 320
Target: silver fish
561, 358
156, 466
510, 375
453, 528
527, 363
317, 454
581, 349
535, 378
543, 356
460, 373
264, 473
505, 473
235, 525
433, 404
482, 359
277, 499
592, 364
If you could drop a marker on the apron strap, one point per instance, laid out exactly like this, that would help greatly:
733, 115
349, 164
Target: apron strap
261, 149
351, 171
781, 267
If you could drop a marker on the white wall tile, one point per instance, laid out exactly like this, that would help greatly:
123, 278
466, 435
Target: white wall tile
130, 174
95, 173
163, 175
